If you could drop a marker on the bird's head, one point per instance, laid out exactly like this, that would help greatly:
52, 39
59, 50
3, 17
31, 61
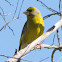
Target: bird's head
32, 11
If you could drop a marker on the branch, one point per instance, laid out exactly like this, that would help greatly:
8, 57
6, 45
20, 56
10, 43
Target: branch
38, 47
27, 49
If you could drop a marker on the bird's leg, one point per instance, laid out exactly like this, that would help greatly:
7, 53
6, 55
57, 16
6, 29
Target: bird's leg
15, 52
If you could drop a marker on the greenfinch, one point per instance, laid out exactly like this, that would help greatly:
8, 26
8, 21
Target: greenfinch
33, 27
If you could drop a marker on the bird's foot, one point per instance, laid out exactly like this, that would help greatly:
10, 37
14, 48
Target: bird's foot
40, 45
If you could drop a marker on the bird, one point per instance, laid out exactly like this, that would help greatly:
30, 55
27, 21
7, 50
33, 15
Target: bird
33, 27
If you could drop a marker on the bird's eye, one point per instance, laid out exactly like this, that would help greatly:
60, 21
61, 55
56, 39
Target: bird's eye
29, 10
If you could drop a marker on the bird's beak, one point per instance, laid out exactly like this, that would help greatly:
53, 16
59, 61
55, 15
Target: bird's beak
26, 13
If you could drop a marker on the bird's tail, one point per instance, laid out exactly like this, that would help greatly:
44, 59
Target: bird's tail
19, 49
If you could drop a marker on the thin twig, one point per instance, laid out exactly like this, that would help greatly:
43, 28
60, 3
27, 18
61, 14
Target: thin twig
8, 23
6, 14
16, 9
54, 52
59, 5
3, 13
9, 2
53, 39
47, 7
59, 59
53, 55
5, 20
20, 8
58, 13
43, 59
8, 56
60, 10
15, 58
58, 38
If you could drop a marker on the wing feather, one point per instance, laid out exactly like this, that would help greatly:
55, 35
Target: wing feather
24, 29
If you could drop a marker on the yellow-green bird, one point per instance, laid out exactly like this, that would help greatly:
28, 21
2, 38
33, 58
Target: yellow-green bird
33, 27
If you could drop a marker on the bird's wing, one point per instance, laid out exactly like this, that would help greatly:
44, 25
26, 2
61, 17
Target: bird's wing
24, 29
